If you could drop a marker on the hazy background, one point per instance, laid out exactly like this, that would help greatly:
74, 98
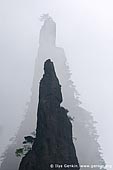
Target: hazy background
85, 31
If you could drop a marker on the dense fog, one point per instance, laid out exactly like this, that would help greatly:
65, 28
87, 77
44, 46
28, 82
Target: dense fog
85, 31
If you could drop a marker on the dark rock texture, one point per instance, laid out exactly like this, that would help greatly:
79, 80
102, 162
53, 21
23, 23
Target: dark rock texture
53, 143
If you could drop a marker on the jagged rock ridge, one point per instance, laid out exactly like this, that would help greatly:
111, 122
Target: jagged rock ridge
53, 143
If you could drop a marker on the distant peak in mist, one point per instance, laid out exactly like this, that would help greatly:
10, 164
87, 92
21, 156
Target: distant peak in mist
48, 31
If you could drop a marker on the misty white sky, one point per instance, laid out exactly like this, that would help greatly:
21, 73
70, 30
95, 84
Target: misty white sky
85, 31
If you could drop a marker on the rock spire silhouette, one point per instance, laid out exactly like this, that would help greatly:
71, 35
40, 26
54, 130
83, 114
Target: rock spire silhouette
53, 144
84, 131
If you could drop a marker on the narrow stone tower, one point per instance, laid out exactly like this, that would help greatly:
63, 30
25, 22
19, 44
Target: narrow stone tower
53, 146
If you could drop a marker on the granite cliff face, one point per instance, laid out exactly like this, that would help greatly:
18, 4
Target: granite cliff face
53, 143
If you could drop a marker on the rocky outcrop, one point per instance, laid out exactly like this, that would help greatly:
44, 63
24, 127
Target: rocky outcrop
53, 145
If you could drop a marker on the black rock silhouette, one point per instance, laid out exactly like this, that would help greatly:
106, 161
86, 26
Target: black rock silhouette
53, 143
